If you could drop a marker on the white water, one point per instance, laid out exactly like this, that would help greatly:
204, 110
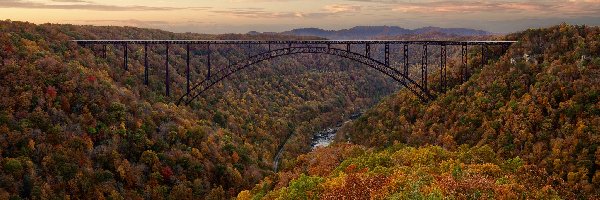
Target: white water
325, 137
322, 138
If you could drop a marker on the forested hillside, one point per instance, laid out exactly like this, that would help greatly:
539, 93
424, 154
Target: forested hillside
400, 172
75, 125
525, 126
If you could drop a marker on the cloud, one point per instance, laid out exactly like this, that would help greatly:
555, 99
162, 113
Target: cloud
128, 22
465, 7
71, 1
257, 13
339, 8
550, 7
86, 6
328, 10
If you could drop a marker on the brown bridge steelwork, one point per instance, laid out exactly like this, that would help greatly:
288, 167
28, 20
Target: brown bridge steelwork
419, 88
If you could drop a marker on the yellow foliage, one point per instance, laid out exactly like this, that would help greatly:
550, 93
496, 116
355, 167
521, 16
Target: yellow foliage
244, 195
489, 169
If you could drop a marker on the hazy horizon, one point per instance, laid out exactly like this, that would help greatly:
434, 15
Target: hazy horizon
242, 16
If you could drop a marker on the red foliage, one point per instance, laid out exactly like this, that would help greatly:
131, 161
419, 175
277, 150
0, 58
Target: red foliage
166, 172
358, 186
351, 168
51, 91
9, 49
91, 78
235, 157
364, 170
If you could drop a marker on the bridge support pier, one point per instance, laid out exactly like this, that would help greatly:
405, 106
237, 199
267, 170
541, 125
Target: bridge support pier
125, 50
405, 62
424, 68
167, 82
104, 51
465, 67
208, 63
146, 80
187, 69
387, 55
443, 77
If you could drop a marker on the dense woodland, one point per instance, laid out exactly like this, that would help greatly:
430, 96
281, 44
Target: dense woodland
75, 125
525, 126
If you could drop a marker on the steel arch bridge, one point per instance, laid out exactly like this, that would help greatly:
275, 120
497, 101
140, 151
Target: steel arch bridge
274, 49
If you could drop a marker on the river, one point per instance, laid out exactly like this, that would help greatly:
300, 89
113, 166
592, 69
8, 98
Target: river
322, 138
325, 137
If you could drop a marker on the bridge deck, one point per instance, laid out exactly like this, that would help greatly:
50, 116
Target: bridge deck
424, 42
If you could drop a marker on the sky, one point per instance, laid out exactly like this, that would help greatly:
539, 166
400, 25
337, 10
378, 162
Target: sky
241, 16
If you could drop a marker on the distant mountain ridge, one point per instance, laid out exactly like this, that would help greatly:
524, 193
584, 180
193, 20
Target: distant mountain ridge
371, 32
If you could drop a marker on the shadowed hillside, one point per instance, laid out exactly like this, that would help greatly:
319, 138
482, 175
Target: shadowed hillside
76, 125
525, 126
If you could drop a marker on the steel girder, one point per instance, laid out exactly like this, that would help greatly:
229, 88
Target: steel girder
218, 76
307, 46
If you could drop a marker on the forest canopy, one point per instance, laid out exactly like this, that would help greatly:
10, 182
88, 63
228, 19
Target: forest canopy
526, 125
76, 125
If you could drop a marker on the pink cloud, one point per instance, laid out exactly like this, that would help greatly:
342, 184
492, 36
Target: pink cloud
567, 7
338, 8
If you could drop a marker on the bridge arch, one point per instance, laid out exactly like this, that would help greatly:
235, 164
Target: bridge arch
218, 76
304, 47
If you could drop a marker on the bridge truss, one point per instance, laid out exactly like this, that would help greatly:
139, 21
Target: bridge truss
357, 50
